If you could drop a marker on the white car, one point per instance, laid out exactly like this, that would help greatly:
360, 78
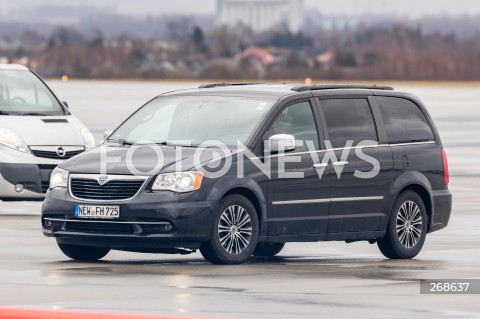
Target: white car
37, 132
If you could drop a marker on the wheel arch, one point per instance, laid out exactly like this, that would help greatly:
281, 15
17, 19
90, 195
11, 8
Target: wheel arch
249, 194
425, 196
413, 181
250, 190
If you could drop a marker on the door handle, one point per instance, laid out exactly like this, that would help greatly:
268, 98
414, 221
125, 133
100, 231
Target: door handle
320, 165
340, 163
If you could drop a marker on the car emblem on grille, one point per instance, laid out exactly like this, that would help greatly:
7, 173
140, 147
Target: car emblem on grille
102, 179
61, 152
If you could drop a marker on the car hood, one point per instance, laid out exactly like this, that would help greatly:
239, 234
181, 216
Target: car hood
137, 160
45, 130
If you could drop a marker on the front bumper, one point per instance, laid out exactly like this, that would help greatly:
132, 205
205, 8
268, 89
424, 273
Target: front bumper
141, 226
33, 178
32, 172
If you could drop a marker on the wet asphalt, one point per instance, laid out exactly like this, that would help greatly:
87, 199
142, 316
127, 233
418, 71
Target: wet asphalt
308, 280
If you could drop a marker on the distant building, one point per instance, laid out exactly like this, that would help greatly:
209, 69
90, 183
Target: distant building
261, 15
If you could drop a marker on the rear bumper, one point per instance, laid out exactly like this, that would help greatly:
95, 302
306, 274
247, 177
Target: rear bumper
141, 226
442, 208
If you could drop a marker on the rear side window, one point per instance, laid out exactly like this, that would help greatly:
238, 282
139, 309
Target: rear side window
404, 121
348, 119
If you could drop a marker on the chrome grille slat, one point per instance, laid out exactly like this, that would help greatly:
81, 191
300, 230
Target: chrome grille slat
76, 191
95, 183
112, 186
109, 189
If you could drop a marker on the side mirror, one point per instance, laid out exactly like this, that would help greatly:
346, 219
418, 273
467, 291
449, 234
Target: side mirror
107, 134
281, 143
66, 104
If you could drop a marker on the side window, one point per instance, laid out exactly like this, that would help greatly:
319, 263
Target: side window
404, 121
348, 119
297, 120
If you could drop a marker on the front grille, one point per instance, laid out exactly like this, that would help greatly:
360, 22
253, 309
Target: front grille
31, 186
49, 167
45, 186
112, 190
54, 155
99, 228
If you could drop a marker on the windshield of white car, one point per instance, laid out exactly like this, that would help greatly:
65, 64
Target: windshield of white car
194, 121
22, 93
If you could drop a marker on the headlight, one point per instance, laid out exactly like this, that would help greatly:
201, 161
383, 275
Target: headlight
13, 140
88, 138
178, 182
59, 178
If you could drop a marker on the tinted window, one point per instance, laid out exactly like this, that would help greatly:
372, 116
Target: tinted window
297, 120
348, 119
404, 121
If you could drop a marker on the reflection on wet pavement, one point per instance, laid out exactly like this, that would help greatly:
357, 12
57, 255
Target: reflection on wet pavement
335, 279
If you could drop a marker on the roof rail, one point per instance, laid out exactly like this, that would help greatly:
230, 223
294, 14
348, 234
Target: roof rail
213, 85
302, 88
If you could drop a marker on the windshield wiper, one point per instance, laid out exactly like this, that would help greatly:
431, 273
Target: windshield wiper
127, 143
161, 143
171, 143
6, 113
122, 142
32, 114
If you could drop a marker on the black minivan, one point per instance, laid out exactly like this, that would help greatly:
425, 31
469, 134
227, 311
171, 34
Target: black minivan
242, 169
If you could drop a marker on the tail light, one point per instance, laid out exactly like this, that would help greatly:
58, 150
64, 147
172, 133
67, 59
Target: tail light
446, 175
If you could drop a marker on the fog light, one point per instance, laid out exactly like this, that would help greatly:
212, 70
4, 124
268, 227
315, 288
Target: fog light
48, 222
168, 227
19, 187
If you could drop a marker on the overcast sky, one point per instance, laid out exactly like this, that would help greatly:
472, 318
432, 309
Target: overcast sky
329, 7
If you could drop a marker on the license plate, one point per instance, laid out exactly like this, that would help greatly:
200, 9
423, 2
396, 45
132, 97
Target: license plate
102, 212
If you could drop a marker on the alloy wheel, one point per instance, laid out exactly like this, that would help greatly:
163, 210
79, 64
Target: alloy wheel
409, 224
235, 229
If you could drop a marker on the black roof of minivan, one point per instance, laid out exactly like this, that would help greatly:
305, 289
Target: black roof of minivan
270, 90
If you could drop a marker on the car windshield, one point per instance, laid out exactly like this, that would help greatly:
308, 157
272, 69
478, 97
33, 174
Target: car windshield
194, 120
22, 93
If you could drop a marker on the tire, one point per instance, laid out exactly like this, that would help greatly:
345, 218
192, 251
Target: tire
234, 232
83, 253
408, 213
268, 249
